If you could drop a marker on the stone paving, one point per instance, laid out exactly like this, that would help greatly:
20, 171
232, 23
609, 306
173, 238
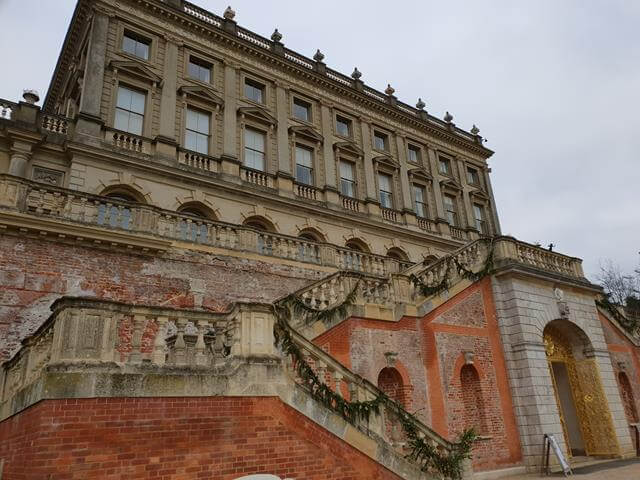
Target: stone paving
626, 472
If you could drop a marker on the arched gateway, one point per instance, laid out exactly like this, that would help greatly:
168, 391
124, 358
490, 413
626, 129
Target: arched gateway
582, 405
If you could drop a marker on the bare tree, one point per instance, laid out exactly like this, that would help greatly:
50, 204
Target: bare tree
620, 287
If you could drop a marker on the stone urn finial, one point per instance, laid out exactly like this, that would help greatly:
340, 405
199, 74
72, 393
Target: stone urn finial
276, 36
229, 13
448, 117
319, 56
356, 74
30, 96
475, 130
420, 105
391, 358
389, 90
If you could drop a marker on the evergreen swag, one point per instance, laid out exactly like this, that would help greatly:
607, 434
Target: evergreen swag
297, 308
426, 456
429, 290
631, 325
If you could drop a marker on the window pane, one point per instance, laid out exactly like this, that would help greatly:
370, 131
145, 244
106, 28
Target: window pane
129, 45
135, 124
385, 182
413, 155
418, 193
253, 91
190, 141
254, 140
205, 74
303, 157
304, 175
420, 209
342, 127
124, 98
254, 159
301, 110
192, 120
203, 144
385, 200
137, 102
346, 171
379, 141
193, 70
142, 50
347, 188
122, 120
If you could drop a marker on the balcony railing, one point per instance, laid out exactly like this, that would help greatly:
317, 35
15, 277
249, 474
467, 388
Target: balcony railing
6, 109
458, 233
197, 160
390, 215
306, 191
62, 205
427, 225
351, 204
127, 141
257, 177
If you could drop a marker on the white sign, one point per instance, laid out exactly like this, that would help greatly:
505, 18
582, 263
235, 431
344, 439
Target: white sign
561, 458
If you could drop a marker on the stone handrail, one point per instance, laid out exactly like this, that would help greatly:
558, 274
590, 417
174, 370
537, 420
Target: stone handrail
7, 108
55, 124
353, 387
46, 201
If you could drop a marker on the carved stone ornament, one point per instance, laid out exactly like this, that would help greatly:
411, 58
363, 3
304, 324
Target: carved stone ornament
31, 96
276, 36
420, 105
356, 74
50, 177
559, 294
390, 90
319, 56
564, 310
391, 358
229, 13
475, 130
448, 117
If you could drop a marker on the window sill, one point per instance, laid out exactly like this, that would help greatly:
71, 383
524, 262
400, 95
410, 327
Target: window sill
142, 60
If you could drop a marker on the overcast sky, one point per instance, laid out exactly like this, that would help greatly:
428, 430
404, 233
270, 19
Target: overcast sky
553, 85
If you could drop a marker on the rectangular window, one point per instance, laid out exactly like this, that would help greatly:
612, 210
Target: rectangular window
472, 176
380, 141
253, 90
301, 110
413, 154
199, 70
304, 165
197, 134
347, 179
254, 143
450, 210
136, 45
343, 126
481, 223
129, 110
385, 183
420, 202
444, 165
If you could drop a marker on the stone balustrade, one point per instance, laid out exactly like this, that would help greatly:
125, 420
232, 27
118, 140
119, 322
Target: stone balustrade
55, 124
6, 109
351, 204
458, 233
257, 177
197, 160
427, 225
306, 191
352, 387
127, 141
389, 215
58, 204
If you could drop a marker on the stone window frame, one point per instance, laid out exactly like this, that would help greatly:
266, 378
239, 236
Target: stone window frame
451, 161
387, 139
269, 151
386, 166
314, 162
127, 81
153, 38
449, 191
267, 90
425, 185
295, 95
316, 150
411, 144
480, 199
357, 159
215, 124
215, 63
352, 124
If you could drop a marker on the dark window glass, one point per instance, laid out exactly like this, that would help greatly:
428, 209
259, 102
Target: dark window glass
304, 165
301, 110
135, 45
343, 126
347, 179
254, 90
199, 70
380, 141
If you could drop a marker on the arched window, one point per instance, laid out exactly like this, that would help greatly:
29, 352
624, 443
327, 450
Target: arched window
312, 234
390, 382
474, 408
116, 214
398, 254
195, 230
626, 392
353, 260
265, 242
309, 252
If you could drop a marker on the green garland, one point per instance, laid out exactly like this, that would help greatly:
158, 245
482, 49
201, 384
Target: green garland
427, 457
429, 290
298, 308
631, 325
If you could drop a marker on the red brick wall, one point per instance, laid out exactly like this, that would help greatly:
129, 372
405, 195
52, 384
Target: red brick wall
34, 272
430, 361
175, 438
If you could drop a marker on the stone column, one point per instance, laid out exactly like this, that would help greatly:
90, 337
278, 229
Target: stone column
230, 158
20, 157
89, 119
493, 208
437, 193
166, 139
284, 175
330, 177
371, 197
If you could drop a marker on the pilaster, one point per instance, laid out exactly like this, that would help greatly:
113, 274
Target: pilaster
470, 220
282, 135
369, 178
230, 149
405, 187
166, 141
89, 119
330, 177
437, 193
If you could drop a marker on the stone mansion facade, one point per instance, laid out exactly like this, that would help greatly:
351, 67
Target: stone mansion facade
184, 179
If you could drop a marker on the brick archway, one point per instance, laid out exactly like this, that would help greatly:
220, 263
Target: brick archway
390, 381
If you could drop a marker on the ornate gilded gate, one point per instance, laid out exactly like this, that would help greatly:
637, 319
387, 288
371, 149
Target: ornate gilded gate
588, 396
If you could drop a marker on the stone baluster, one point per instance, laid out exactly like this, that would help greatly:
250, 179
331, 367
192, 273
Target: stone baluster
333, 299
180, 346
337, 377
321, 371
322, 301
159, 356
201, 358
139, 322
353, 390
